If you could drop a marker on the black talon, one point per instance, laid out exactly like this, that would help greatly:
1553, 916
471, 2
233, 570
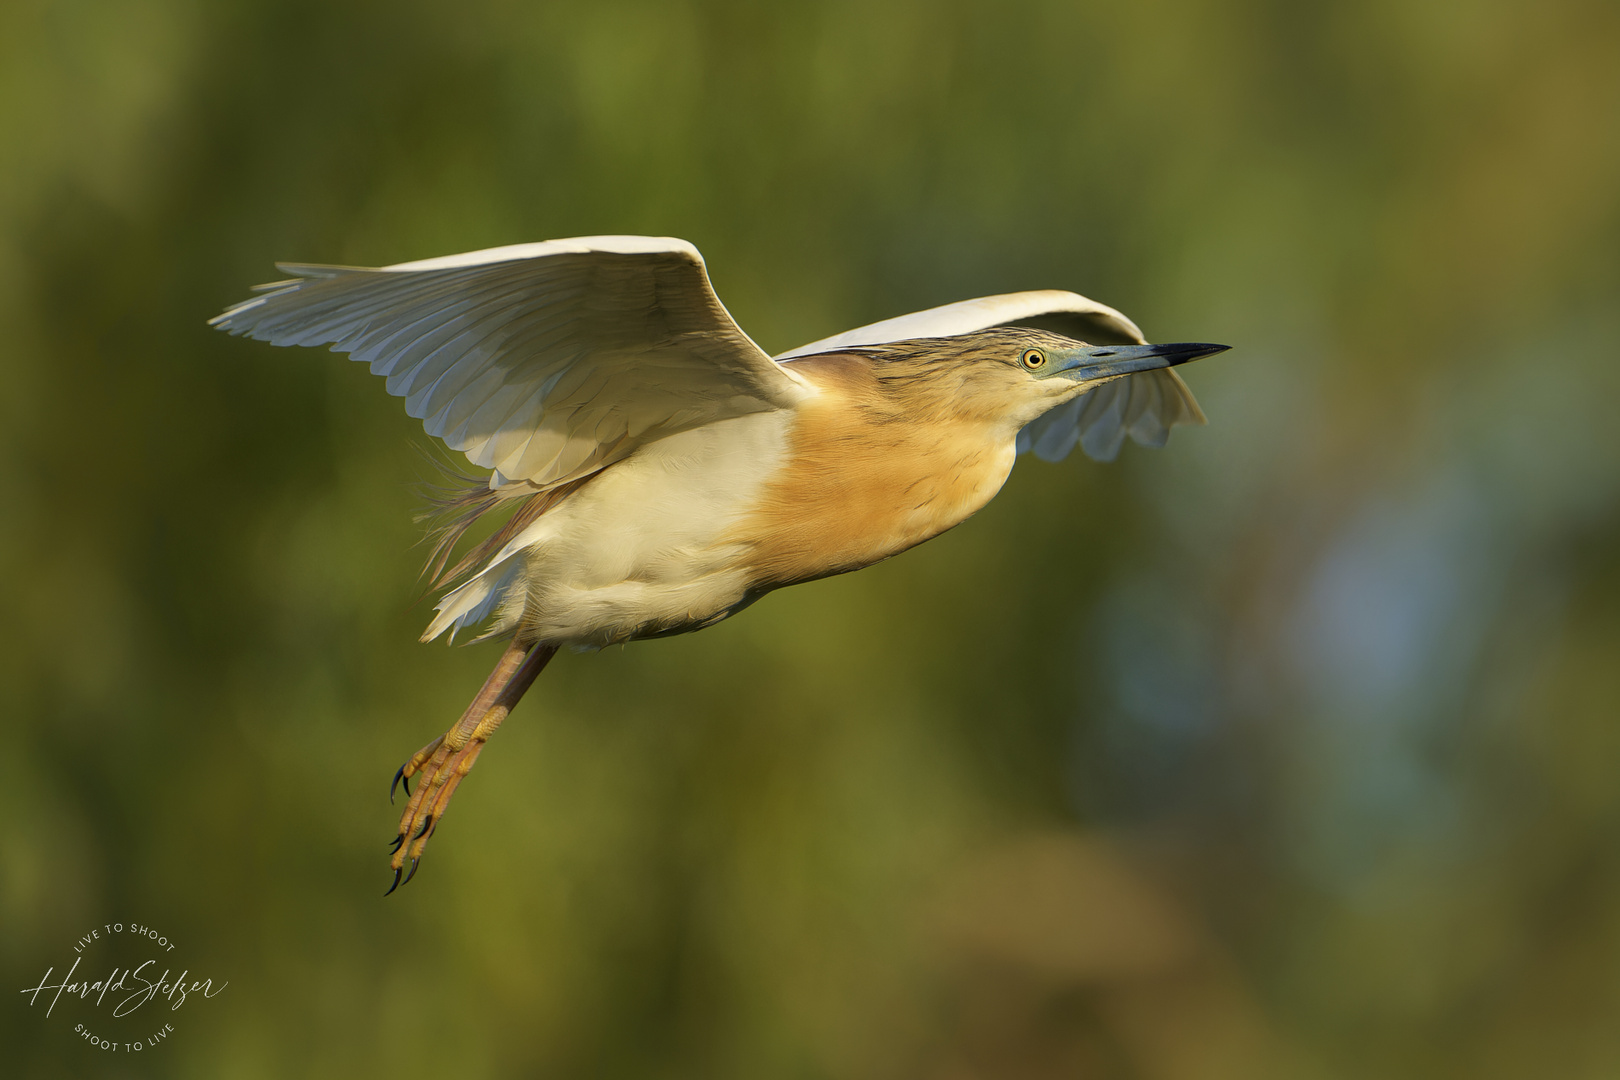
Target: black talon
427, 823
395, 885
398, 840
412, 874
397, 778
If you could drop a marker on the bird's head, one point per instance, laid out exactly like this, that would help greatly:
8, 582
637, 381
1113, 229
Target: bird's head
1009, 375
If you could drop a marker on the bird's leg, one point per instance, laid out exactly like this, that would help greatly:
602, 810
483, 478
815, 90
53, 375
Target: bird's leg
443, 762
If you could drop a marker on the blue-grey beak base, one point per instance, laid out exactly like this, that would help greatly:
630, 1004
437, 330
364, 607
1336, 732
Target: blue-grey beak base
1105, 361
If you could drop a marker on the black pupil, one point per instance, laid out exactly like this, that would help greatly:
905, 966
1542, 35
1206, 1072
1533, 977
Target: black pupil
1034, 359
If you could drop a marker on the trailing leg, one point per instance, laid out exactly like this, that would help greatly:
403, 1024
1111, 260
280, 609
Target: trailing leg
444, 762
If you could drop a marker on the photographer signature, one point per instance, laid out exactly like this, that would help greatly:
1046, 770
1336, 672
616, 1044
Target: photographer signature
175, 990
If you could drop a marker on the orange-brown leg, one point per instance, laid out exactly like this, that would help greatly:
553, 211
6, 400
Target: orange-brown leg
445, 761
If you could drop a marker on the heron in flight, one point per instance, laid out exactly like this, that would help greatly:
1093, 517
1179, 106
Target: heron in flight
663, 471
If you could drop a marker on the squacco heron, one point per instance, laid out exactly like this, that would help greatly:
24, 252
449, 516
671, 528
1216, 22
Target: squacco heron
662, 471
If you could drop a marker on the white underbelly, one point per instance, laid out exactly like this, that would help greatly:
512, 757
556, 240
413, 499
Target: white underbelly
637, 551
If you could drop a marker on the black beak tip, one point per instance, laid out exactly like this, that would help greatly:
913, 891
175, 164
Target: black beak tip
1197, 350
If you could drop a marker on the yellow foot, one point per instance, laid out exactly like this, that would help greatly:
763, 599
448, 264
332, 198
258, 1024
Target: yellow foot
446, 761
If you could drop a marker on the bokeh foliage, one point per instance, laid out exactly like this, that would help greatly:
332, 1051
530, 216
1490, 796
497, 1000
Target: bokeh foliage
1289, 750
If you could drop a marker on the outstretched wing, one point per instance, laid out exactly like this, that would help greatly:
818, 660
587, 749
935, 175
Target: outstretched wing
1144, 406
544, 362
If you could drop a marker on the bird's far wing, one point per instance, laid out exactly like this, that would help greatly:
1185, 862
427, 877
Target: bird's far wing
1144, 406
544, 362
966, 316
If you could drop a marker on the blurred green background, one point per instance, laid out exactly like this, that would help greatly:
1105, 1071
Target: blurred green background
1291, 750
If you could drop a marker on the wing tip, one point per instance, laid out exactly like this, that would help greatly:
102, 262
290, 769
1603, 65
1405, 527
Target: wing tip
222, 321
1192, 415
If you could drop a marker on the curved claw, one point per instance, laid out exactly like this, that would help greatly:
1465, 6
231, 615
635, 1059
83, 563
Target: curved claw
427, 823
400, 775
396, 883
398, 840
407, 881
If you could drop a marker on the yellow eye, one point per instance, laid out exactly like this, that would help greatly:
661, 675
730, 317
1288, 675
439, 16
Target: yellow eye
1034, 359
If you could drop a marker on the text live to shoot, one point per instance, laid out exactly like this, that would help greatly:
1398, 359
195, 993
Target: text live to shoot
125, 989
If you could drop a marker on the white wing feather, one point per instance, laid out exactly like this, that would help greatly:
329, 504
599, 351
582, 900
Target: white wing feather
1144, 406
544, 362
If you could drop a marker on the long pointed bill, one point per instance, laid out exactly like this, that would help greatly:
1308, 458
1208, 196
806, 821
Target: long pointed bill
1105, 361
